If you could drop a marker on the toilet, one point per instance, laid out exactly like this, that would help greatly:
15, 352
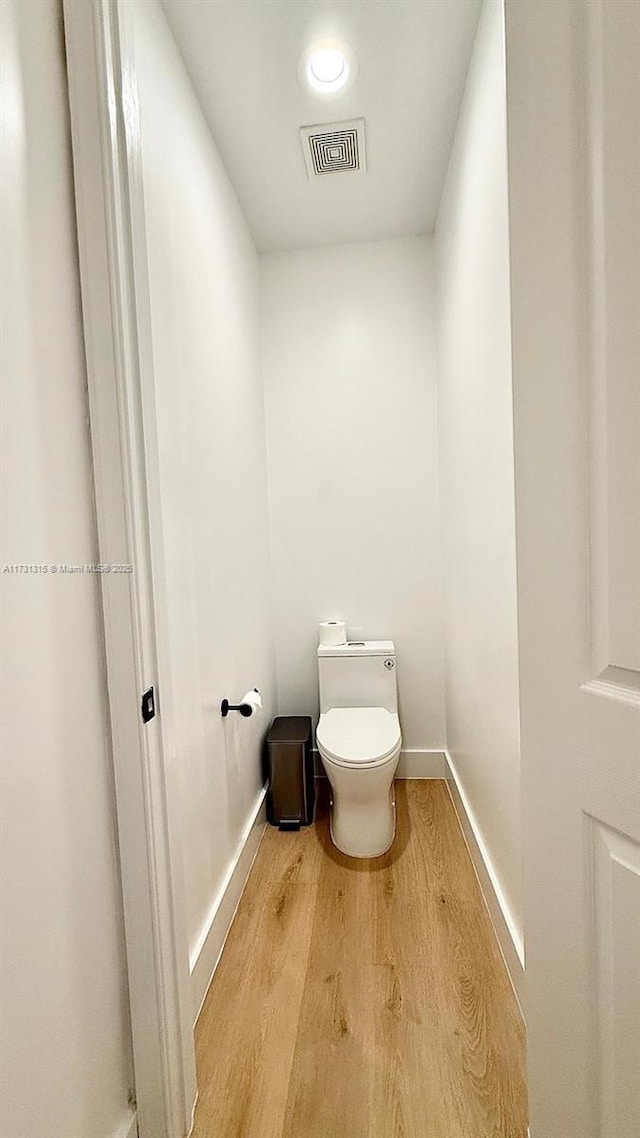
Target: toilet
359, 741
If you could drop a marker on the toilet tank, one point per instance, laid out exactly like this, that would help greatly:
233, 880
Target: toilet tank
359, 674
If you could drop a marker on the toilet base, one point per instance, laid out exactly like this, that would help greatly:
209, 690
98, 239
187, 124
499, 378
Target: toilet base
363, 807
374, 840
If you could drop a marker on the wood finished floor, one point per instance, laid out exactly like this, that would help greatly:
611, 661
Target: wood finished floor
363, 999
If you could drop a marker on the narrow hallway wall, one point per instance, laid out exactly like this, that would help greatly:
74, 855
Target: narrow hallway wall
350, 381
204, 289
66, 1065
476, 466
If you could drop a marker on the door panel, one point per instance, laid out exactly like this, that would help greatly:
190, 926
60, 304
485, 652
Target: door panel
573, 101
613, 257
617, 942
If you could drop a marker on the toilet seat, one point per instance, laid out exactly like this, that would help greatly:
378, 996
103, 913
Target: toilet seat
358, 736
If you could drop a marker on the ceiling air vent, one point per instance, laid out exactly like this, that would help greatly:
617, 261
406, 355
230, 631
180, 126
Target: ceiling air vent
334, 148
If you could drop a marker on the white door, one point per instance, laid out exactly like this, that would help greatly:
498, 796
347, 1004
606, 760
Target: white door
573, 91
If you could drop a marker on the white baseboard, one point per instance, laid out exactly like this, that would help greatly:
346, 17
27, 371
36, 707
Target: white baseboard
128, 1128
206, 954
504, 925
413, 764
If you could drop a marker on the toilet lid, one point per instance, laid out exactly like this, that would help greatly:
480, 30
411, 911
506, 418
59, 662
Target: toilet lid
353, 735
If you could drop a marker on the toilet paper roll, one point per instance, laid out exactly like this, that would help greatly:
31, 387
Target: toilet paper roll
332, 632
253, 699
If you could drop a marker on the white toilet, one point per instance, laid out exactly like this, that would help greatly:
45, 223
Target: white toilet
359, 742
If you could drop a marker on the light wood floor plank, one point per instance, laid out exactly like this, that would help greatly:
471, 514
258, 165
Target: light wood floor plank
365, 999
246, 1031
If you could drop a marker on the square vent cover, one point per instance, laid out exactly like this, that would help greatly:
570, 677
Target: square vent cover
334, 148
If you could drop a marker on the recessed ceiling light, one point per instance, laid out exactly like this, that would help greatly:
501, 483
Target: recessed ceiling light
327, 66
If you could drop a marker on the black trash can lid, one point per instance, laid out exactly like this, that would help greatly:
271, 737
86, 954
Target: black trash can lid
290, 729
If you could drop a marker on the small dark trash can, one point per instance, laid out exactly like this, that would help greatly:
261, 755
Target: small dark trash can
292, 792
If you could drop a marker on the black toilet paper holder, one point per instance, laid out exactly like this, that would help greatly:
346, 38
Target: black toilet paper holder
245, 709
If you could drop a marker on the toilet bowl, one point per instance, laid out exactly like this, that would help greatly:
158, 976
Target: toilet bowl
360, 749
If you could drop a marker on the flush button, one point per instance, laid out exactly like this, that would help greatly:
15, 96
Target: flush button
389, 663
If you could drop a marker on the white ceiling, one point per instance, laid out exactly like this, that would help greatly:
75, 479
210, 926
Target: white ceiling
413, 55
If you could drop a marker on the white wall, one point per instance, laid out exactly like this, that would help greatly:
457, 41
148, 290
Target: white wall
210, 410
476, 450
66, 1051
349, 369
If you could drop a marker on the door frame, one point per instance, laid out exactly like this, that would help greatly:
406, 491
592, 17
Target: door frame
105, 136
